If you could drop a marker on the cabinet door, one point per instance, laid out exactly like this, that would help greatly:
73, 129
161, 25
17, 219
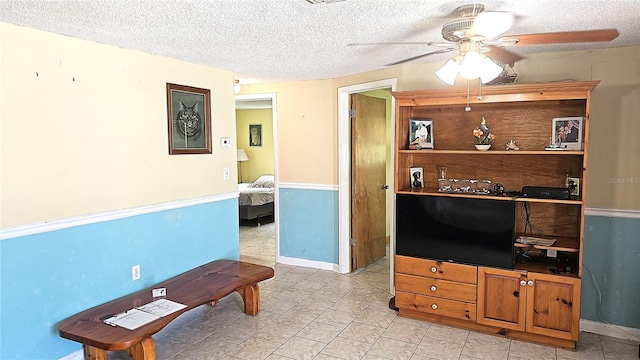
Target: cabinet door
501, 298
553, 306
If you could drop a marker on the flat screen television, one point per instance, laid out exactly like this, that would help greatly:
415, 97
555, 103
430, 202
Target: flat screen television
456, 229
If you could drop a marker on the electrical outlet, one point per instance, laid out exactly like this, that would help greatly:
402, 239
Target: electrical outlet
135, 272
225, 173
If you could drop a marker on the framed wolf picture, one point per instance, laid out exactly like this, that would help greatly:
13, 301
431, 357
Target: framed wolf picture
189, 120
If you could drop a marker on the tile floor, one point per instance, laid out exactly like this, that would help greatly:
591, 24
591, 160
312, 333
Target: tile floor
316, 314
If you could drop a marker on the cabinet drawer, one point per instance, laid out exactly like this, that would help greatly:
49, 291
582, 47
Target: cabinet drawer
436, 306
436, 287
436, 269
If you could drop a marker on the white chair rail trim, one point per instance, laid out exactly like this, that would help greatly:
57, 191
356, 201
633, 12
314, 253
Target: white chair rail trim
31, 229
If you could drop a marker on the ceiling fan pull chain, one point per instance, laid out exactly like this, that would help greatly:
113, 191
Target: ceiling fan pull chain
468, 108
480, 91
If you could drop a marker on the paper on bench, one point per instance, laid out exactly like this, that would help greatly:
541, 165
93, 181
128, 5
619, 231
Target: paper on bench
131, 319
142, 315
162, 307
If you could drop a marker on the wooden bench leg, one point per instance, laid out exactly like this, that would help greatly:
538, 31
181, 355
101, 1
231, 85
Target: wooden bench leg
251, 297
92, 353
144, 350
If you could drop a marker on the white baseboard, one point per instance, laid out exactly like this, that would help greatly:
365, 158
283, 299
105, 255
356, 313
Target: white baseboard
76, 355
308, 263
616, 331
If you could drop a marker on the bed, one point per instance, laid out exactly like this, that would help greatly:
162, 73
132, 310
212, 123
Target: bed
256, 199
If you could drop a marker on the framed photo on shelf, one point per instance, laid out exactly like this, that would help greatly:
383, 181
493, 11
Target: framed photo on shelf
420, 134
416, 178
189, 120
573, 183
567, 132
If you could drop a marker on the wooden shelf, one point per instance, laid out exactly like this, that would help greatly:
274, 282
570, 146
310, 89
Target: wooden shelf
543, 268
435, 192
494, 152
563, 244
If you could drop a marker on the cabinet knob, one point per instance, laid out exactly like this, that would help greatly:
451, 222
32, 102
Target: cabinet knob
530, 282
433, 269
523, 283
433, 288
434, 306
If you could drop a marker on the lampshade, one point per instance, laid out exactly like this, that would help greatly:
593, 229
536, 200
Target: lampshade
448, 72
236, 86
474, 65
471, 67
490, 70
242, 155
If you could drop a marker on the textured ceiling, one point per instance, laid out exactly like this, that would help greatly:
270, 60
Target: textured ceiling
291, 40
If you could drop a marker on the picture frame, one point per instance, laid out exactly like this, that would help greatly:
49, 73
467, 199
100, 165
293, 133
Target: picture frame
416, 177
567, 132
255, 135
420, 134
189, 120
573, 183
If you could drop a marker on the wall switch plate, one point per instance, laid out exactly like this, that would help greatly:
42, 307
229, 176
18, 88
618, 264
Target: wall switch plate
225, 173
135, 272
225, 142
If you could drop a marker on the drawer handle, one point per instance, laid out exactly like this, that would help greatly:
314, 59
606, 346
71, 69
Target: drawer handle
530, 282
434, 306
523, 283
433, 288
433, 269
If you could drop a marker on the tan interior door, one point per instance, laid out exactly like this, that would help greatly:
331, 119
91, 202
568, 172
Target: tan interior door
368, 177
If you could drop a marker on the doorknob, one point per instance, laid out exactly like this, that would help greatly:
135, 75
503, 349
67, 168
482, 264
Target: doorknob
385, 187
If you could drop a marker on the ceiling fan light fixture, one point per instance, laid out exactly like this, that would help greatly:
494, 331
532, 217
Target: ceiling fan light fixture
471, 67
490, 70
448, 72
491, 24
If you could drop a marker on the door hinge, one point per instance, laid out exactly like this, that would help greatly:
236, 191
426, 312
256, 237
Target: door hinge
352, 113
352, 242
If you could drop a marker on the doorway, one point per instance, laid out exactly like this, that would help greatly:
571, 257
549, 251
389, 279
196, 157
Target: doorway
344, 168
262, 232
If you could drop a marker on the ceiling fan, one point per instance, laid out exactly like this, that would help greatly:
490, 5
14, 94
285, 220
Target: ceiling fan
475, 35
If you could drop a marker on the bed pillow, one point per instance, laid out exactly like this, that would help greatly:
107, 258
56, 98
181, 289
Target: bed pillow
264, 181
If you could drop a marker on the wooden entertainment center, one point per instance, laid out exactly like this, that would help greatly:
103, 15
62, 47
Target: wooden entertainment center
537, 299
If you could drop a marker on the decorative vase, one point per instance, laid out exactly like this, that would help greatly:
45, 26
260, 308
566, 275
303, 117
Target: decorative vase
483, 147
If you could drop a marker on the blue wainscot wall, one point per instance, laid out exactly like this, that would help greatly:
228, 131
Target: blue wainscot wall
612, 255
308, 220
49, 276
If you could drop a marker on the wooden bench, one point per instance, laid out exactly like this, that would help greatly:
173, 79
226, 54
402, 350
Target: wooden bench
205, 284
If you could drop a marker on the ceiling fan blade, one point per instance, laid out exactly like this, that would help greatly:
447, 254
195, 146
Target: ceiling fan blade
423, 55
503, 56
442, 44
563, 37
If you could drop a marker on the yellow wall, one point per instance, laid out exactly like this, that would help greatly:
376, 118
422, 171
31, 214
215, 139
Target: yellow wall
100, 142
614, 169
307, 129
260, 157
